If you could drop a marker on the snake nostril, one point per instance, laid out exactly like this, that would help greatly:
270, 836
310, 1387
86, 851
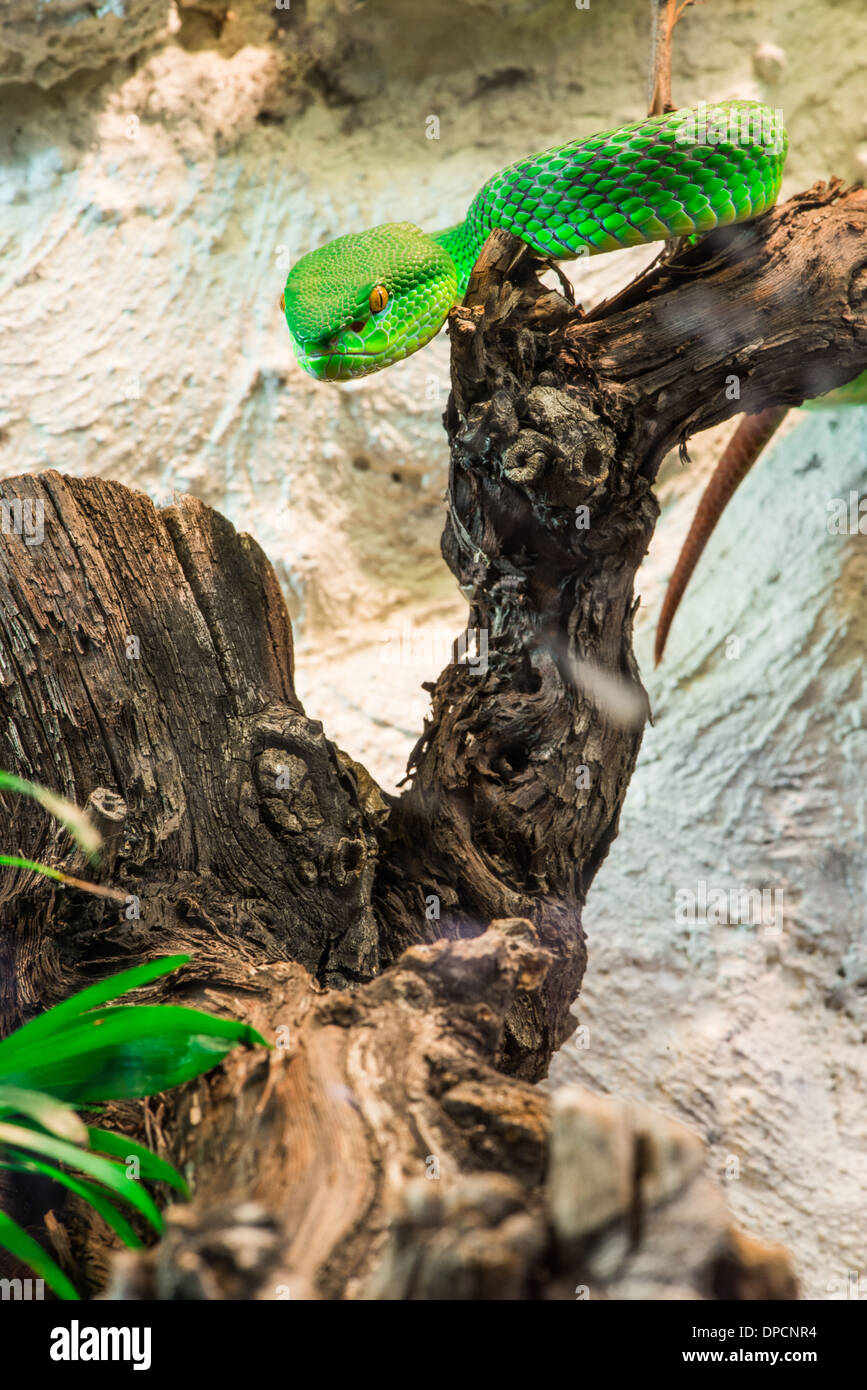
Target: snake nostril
357, 325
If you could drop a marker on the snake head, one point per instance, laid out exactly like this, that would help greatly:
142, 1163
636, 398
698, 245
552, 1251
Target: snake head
367, 300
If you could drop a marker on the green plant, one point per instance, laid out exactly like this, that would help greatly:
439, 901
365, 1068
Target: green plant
81, 1052
84, 832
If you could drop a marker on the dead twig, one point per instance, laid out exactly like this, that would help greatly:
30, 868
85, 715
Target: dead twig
665, 15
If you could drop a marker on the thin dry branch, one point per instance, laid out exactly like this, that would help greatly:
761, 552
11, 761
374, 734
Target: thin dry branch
665, 15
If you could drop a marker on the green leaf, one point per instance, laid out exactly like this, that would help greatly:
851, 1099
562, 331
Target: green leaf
125, 1052
153, 1168
167, 1018
52, 1114
111, 1175
90, 998
141, 1067
89, 1191
25, 1248
77, 823
14, 861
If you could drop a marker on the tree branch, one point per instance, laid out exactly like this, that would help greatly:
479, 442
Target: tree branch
664, 16
522, 770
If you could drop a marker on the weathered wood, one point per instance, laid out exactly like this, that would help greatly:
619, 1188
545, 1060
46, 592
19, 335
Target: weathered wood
147, 669
149, 653
665, 14
522, 771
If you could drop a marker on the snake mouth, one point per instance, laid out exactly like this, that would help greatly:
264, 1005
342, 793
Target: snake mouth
342, 361
333, 359
351, 352
316, 352
339, 364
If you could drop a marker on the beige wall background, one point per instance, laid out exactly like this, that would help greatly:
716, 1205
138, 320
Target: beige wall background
160, 167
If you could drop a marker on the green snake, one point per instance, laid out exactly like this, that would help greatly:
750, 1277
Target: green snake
371, 298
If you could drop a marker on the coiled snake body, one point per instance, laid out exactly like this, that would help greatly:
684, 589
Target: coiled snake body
371, 298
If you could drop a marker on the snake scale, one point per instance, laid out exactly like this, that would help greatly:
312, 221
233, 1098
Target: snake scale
369, 299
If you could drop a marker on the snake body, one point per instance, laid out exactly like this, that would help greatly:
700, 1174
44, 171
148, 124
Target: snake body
371, 298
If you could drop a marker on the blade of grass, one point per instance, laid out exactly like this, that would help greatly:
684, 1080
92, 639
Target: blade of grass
91, 997
141, 1067
111, 1175
77, 823
89, 1191
99, 890
25, 1248
14, 861
52, 1114
156, 1046
153, 1168
143, 1019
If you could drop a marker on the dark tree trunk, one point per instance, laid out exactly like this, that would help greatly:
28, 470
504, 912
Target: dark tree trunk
414, 958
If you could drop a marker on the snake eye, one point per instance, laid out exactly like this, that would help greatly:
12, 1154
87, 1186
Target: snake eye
378, 298
283, 303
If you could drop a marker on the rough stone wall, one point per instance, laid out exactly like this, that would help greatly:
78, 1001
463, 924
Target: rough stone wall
752, 777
